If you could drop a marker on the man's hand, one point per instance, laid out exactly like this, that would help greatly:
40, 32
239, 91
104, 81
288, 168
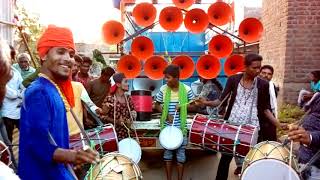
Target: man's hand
133, 115
200, 101
80, 157
99, 111
299, 134
170, 118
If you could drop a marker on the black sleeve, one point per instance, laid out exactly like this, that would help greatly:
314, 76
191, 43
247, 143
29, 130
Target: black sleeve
227, 89
265, 97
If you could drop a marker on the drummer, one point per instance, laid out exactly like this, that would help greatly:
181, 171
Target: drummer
309, 137
249, 103
173, 98
44, 138
118, 108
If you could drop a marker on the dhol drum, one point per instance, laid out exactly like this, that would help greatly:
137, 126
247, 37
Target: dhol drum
130, 148
115, 166
104, 138
217, 135
5, 154
269, 160
171, 138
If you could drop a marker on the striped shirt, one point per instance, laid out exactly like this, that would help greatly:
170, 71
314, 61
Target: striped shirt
174, 100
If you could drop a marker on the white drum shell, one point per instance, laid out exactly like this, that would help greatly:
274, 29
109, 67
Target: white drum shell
171, 138
130, 148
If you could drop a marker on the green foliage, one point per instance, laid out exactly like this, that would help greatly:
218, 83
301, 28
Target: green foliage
31, 29
98, 57
289, 114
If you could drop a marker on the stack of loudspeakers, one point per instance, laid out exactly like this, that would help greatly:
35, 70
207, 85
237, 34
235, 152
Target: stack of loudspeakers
195, 21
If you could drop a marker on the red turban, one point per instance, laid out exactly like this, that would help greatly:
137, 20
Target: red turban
55, 36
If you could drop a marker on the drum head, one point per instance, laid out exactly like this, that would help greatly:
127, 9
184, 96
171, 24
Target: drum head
115, 166
171, 138
267, 169
130, 148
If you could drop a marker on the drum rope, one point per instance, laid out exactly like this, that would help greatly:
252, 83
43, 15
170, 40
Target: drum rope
290, 159
100, 142
132, 119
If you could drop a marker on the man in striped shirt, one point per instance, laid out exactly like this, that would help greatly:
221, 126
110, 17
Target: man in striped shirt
174, 96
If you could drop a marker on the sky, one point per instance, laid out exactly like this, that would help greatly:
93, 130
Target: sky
86, 17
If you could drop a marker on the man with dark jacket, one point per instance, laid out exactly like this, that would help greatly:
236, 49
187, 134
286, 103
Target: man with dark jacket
249, 103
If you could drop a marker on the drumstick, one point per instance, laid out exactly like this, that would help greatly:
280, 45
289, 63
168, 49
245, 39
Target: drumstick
187, 103
290, 158
84, 146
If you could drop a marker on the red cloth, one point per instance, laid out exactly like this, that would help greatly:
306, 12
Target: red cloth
55, 36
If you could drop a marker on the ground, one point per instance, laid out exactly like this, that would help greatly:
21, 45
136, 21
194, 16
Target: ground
201, 165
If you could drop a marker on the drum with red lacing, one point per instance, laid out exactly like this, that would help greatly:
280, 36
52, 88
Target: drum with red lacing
217, 135
5, 154
104, 138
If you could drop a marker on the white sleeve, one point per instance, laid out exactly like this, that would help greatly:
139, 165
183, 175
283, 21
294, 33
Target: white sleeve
86, 99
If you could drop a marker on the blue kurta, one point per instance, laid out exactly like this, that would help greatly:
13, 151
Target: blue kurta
43, 111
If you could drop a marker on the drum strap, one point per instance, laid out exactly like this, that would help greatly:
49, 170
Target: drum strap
255, 95
52, 141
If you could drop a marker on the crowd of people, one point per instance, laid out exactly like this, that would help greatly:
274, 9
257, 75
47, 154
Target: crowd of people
47, 104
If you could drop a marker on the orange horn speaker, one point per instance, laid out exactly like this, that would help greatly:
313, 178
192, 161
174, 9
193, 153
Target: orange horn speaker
208, 67
183, 4
196, 20
142, 47
250, 30
234, 64
170, 18
186, 66
113, 32
219, 13
129, 65
154, 66
220, 46
144, 14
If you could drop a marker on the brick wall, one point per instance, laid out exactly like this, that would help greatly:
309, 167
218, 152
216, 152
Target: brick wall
291, 43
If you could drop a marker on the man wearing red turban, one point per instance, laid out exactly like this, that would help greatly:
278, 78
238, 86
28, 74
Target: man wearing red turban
44, 139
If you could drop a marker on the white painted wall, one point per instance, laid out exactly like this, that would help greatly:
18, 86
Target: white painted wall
6, 14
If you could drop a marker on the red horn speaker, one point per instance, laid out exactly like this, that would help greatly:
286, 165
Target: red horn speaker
112, 32
196, 20
183, 4
250, 30
170, 18
129, 65
208, 67
219, 13
234, 64
154, 66
220, 46
186, 65
142, 47
144, 14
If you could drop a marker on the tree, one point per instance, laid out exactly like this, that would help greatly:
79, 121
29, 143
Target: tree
31, 29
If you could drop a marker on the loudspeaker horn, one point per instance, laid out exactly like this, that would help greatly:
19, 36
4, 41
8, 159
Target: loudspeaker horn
186, 65
154, 67
234, 64
250, 30
142, 47
219, 13
183, 4
170, 18
208, 67
220, 46
129, 65
144, 14
196, 20
112, 32
147, 84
